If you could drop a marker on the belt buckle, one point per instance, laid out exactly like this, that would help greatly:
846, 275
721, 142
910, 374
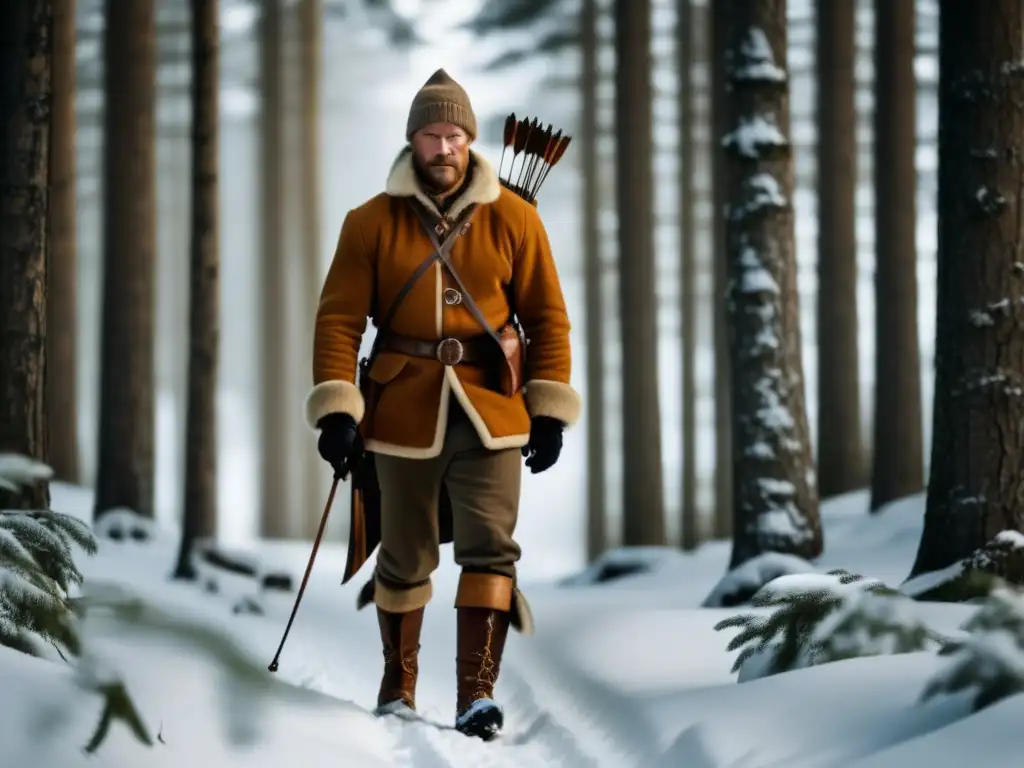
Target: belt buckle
449, 352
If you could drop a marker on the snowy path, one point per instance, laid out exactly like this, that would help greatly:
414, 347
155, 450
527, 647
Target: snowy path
551, 718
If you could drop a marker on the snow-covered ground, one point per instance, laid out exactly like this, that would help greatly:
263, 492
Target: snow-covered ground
628, 672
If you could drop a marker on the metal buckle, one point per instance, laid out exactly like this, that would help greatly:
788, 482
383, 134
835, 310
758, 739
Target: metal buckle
452, 297
449, 352
440, 228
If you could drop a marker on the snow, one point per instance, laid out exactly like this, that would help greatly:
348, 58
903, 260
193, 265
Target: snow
625, 669
754, 134
756, 61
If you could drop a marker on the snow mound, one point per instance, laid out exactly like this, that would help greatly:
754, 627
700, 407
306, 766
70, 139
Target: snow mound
17, 471
989, 662
124, 524
976, 576
622, 563
740, 585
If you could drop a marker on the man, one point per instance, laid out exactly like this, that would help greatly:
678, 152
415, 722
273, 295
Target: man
438, 424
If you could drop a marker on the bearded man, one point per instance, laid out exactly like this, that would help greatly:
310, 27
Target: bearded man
443, 259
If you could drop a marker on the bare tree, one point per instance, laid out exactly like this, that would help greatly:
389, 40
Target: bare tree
200, 497
597, 540
689, 525
725, 503
840, 447
25, 100
125, 473
643, 512
310, 66
897, 449
777, 504
274, 442
977, 467
62, 267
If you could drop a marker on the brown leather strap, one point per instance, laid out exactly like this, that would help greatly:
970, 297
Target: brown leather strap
473, 350
442, 250
445, 258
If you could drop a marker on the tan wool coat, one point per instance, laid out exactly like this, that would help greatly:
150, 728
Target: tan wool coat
381, 244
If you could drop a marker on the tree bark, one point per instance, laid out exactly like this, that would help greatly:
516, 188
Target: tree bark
26, 39
127, 420
898, 452
777, 504
643, 497
840, 447
976, 485
311, 59
597, 540
689, 525
725, 504
274, 442
200, 496
62, 267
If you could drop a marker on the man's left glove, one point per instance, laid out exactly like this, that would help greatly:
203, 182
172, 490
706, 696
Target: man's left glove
545, 444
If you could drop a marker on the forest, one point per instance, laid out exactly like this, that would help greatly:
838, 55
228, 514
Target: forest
739, 203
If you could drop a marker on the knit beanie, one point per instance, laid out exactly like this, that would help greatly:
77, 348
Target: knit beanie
441, 100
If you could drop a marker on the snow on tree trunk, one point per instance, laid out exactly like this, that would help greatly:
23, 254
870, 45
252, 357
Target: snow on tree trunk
773, 477
976, 486
643, 512
898, 451
62, 270
200, 513
127, 420
25, 101
840, 447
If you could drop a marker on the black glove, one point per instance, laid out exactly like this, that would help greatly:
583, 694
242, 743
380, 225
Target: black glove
339, 442
545, 444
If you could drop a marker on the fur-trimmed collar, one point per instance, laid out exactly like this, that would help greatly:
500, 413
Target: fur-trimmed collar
483, 186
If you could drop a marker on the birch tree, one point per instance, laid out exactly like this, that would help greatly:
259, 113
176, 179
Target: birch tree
976, 483
773, 478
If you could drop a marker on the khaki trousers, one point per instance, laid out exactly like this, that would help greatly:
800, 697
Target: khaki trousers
483, 486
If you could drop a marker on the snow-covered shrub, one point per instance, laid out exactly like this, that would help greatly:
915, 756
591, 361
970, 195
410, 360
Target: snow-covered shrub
740, 585
817, 618
37, 567
1000, 560
989, 661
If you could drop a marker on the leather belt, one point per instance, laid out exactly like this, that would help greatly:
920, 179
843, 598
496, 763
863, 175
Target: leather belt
447, 351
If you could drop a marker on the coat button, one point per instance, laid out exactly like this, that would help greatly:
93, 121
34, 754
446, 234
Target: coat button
452, 297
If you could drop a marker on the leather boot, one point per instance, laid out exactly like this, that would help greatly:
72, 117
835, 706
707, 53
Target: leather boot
483, 604
400, 637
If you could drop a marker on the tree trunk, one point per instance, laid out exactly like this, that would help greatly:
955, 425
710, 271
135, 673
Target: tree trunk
777, 505
62, 267
689, 525
977, 468
200, 496
274, 441
127, 420
840, 447
897, 450
725, 503
311, 58
643, 513
597, 540
25, 103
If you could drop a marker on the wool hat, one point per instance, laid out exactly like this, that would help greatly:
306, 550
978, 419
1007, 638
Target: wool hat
441, 100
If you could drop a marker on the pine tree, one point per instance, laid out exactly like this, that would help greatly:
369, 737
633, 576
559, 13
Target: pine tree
773, 473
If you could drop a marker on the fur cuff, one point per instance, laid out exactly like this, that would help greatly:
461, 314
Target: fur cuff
554, 399
394, 600
335, 396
